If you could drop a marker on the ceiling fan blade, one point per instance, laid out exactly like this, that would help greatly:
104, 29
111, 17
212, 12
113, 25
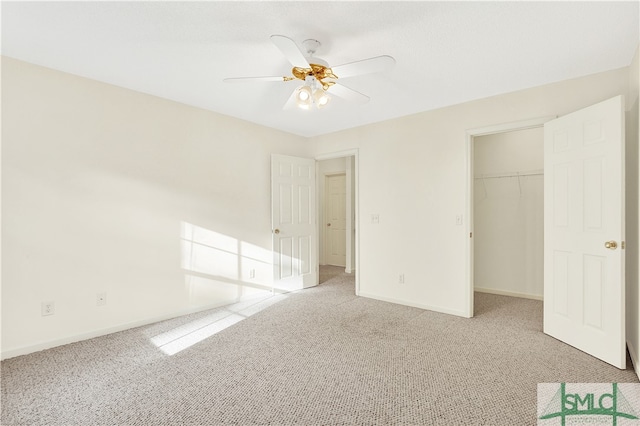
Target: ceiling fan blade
349, 94
290, 50
291, 102
250, 79
365, 66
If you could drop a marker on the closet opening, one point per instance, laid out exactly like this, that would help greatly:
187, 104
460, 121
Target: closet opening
506, 211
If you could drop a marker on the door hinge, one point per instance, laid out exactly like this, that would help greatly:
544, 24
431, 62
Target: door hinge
622, 245
470, 234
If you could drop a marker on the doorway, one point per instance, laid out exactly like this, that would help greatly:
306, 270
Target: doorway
337, 213
508, 187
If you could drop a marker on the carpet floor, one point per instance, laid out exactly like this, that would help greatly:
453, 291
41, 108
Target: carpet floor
320, 356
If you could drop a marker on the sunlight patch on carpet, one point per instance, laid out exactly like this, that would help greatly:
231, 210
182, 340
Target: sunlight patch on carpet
187, 335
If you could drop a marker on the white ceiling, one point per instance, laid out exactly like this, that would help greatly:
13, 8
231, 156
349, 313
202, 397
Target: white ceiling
446, 52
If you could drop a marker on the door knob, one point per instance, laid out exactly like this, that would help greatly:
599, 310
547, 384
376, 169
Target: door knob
328, 224
611, 245
277, 231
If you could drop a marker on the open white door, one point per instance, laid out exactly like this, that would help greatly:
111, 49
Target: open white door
335, 215
584, 230
293, 217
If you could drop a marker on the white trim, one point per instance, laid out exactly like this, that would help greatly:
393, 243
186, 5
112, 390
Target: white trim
356, 249
48, 344
356, 176
337, 154
349, 203
470, 134
509, 127
468, 235
415, 305
508, 293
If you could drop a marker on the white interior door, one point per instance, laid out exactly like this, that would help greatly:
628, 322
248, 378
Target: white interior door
584, 229
335, 244
293, 211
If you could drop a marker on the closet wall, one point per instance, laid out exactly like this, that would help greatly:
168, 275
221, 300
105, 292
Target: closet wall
508, 213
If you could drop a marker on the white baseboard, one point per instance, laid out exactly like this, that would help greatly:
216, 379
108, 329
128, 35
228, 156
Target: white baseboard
25, 350
415, 305
634, 359
507, 293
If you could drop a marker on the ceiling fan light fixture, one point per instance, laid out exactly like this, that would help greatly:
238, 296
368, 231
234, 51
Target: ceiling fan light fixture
304, 94
303, 97
321, 98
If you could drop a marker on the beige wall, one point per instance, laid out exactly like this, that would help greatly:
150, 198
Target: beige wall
413, 173
109, 190
163, 207
508, 152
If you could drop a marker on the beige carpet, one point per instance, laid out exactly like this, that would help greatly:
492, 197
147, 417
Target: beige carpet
321, 356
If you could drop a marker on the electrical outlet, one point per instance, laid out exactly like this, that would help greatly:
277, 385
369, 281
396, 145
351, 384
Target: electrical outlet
401, 279
101, 299
252, 273
48, 308
375, 218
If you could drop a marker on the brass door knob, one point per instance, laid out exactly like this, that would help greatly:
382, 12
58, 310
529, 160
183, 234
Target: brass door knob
277, 231
611, 245
328, 224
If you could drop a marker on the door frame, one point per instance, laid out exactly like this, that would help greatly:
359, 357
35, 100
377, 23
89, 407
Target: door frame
470, 135
351, 175
348, 228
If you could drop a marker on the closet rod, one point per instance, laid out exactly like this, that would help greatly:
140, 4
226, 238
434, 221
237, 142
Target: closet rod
509, 175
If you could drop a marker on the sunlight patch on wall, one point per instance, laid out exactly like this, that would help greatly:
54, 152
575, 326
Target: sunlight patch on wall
222, 269
212, 253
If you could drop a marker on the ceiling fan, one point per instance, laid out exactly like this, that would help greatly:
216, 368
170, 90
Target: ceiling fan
320, 80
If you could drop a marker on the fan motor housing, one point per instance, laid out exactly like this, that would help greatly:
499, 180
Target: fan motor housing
319, 71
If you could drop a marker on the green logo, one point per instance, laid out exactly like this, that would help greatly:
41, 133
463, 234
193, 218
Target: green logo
595, 403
